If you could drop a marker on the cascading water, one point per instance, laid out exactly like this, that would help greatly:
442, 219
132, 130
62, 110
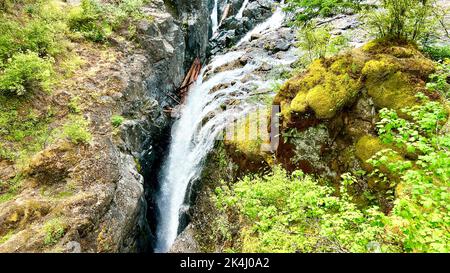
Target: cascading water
192, 140
215, 17
241, 10
274, 22
202, 120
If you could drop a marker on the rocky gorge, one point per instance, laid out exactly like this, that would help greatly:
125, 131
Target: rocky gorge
147, 177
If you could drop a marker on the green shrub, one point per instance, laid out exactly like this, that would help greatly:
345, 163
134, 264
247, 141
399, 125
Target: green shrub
10, 34
306, 10
76, 130
438, 53
421, 211
317, 42
440, 80
116, 120
409, 20
88, 20
54, 230
290, 213
24, 72
74, 105
96, 21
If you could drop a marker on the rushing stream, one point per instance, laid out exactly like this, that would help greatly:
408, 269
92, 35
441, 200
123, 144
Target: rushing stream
202, 119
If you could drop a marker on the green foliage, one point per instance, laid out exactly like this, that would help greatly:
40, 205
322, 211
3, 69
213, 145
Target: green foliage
318, 42
421, 212
96, 20
74, 105
289, 213
9, 188
25, 71
77, 130
438, 53
409, 20
440, 80
117, 120
23, 130
306, 10
54, 230
29, 44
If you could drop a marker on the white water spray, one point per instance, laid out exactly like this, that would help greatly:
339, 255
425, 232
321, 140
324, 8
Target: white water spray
215, 17
274, 22
193, 136
241, 10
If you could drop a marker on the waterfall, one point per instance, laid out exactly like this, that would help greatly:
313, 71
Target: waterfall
274, 22
192, 140
202, 120
214, 17
241, 10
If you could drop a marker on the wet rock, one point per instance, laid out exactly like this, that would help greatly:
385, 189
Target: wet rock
185, 242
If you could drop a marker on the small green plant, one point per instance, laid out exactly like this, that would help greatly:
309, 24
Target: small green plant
74, 105
54, 230
24, 72
440, 80
117, 120
10, 188
77, 130
317, 42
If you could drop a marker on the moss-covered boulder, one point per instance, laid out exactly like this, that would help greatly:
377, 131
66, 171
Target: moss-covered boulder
343, 94
391, 73
325, 88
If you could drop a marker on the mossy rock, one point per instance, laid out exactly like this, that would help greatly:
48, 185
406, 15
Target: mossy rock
327, 87
393, 83
367, 146
19, 216
53, 165
391, 72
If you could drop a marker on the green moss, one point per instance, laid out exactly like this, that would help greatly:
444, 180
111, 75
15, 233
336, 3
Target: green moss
325, 88
6, 237
392, 82
368, 146
54, 230
395, 92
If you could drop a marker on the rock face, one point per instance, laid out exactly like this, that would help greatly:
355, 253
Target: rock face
175, 37
232, 28
93, 197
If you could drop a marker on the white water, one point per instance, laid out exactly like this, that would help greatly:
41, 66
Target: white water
192, 140
193, 136
214, 17
274, 22
241, 10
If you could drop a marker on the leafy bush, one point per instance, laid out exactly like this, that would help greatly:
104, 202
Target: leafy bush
440, 80
421, 212
76, 130
318, 42
438, 53
289, 213
409, 20
306, 10
25, 71
96, 20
